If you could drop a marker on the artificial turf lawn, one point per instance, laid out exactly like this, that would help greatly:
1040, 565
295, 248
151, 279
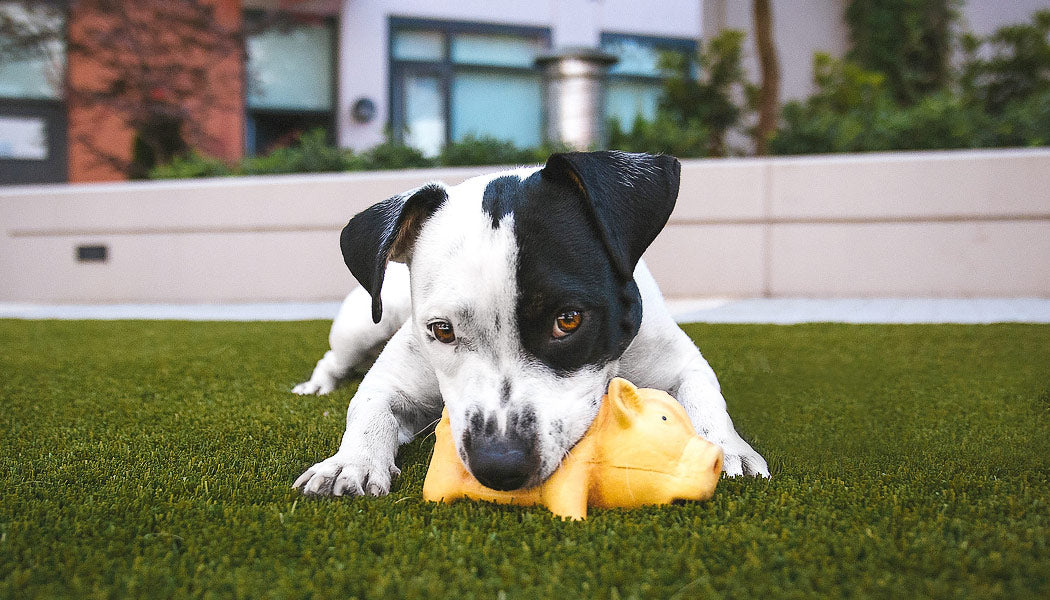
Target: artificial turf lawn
155, 459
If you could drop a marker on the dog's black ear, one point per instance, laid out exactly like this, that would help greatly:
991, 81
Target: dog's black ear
387, 231
631, 196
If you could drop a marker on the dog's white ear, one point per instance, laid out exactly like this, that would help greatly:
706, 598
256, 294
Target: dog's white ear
387, 231
631, 196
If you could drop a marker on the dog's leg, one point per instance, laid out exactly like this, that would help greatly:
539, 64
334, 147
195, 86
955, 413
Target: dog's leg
354, 338
706, 408
662, 356
396, 400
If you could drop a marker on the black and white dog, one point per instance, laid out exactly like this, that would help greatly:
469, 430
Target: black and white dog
523, 296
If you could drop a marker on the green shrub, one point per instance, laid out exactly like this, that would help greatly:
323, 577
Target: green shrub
854, 110
391, 155
661, 135
310, 154
474, 150
850, 111
908, 41
1022, 123
192, 165
1003, 100
1011, 65
699, 96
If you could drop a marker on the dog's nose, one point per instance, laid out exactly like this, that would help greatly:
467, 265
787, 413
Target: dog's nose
501, 462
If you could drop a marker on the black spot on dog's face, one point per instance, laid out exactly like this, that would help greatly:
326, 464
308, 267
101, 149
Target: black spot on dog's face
563, 266
498, 199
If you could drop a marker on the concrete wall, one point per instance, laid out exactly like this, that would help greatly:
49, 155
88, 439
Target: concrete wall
939, 224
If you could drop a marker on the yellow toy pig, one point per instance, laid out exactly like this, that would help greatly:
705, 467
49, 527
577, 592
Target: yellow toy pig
640, 449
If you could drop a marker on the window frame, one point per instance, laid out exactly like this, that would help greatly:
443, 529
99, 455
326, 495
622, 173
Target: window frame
446, 69
54, 111
329, 117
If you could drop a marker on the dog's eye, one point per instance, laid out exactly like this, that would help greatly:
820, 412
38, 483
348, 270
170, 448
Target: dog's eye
442, 331
567, 322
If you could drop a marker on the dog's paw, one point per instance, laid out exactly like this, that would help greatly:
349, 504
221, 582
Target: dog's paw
316, 386
344, 474
744, 461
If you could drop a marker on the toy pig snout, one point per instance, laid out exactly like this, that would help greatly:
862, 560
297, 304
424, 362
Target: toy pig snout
700, 469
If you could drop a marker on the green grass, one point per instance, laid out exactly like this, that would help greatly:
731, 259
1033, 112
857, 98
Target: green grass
155, 459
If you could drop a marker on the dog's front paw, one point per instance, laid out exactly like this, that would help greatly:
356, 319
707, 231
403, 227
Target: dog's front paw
312, 387
743, 461
320, 383
343, 474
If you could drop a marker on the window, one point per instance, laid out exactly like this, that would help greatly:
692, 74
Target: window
290, 79
32, 70
33, 121
634, 85
454, 80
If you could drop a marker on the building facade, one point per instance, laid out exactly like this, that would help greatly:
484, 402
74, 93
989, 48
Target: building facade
422, 72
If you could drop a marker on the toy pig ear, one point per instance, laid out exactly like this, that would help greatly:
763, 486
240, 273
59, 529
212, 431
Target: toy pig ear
625, 401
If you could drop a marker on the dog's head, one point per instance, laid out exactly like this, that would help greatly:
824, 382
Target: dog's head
523, 295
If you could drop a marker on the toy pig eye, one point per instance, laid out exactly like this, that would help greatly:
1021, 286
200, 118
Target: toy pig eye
663, 417
442, 331
566, 322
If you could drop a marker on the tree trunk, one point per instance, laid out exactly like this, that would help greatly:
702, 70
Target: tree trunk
769, 93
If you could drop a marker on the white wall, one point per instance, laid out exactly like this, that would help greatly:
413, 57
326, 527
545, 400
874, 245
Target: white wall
364, 63
983, 17
937, 224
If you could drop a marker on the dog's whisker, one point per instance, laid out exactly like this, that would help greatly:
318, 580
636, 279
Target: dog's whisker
428, 426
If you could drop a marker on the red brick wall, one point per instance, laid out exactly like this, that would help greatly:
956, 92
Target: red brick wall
216, 126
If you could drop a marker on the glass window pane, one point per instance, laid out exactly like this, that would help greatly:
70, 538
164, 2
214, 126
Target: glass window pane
506, 107
496, 50
291, 69
625, 100
23, 138
636, 57
38, 71
424, 113
419, 45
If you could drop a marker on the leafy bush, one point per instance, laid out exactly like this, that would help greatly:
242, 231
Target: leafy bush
192, 165
311, 154
391, 155
706, 100
487, 151
1023, 123
662, 135
1011, 65
909, 41
854, 110
1003, 100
